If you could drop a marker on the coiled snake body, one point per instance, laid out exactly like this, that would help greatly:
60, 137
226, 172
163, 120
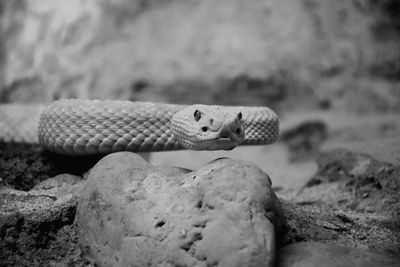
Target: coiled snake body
86, 127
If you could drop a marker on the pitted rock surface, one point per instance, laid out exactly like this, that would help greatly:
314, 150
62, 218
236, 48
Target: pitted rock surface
132, 213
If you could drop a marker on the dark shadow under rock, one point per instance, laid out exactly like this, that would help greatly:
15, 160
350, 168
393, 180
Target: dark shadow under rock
22, 166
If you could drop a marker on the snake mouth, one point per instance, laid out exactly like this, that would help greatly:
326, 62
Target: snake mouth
226, 138
229, 137
222, 143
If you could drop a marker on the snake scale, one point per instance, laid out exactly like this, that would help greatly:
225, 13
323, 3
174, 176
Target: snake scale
88, 127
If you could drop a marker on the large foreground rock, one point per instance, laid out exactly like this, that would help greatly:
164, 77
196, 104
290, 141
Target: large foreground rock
132, 213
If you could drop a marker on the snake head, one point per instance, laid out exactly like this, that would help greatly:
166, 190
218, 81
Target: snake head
201, 127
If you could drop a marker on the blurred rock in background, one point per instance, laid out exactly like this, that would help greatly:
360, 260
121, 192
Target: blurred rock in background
287, 54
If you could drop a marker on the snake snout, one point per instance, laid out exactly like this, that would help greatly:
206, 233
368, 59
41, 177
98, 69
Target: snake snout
228, 132
233, 130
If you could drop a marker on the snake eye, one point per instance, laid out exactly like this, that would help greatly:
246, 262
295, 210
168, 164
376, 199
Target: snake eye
204, 129
240, 115
197, 115
238, 131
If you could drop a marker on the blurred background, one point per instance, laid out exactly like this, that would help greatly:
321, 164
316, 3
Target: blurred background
330, 69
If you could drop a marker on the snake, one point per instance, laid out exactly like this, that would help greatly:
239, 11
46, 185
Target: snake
78, 127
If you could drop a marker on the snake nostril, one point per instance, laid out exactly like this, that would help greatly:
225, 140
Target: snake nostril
204, 129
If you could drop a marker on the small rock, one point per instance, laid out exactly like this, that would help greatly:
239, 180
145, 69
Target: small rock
304, 139
58, 182
354, 181
315, 254
132, 213
342, 164
29, 221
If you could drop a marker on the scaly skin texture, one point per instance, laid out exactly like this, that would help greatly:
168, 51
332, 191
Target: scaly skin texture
88, 127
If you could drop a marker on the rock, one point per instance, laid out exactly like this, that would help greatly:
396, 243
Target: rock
133, 213
355, 181
304, 139
342, 164
59, 185
30, 221
315, 254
